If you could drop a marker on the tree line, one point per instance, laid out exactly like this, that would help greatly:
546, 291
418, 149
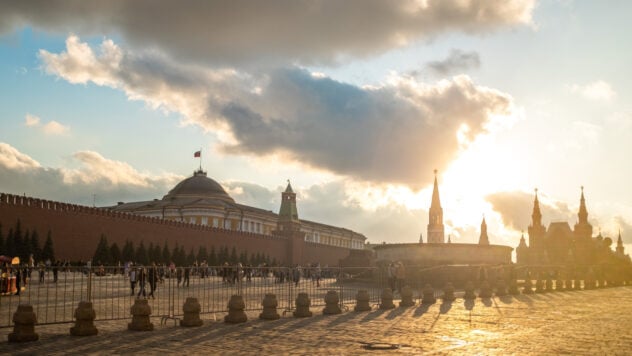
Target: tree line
111, 254
23, 243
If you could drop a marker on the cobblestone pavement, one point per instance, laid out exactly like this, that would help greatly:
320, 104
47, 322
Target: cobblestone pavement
595, 322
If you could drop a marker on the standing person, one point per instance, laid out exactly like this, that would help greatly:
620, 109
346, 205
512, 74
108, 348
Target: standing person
179, 275
142, 279
392, 279
153, 278
42, 272
400, 273
132, 279
18, 279
187, 273
297, 275
55, 271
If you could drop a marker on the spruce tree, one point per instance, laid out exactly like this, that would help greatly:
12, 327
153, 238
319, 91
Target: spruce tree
182, 257
233, 256
212, 258
129, 254
115, 254
18, 240
48, 253
141, 254
26, 247
102, 253
202, 255
190, 258
9, 244
166, 255
157, 254
35, 246
2, 251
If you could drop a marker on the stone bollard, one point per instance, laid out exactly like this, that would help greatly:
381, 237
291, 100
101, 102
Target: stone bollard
577, 284
84, 324
191, 309
513, 287
140, 316
549, 284
568, 285
407, 297
428, 295
448, 293
269, 304
331, 303
501, 288
302, 306
362, 301
24, 320
469, 291
236, 308
539, 286
386, 299
528, 287
485, 290
559, 285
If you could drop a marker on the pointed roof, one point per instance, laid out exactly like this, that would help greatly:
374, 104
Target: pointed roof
536, 216
583, 212
483, 239
288, 189
523, 242
436, 202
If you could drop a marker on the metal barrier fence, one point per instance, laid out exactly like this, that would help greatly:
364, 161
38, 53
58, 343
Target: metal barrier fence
55, 294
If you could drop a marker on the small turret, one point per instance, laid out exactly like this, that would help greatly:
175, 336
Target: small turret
288, 213
620, 249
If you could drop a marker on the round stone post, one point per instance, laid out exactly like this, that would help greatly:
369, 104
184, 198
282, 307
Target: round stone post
501, 287
568, 285
302, 306
24, 321
539, 286
589, 283
140, 316
191, 309
84, 324
485, 290
513, 287
549, 283
428, 296
528, 286
407, 297
469, 291
236, 313
448, 293
332, 303
386, 299
269, 304
362, 301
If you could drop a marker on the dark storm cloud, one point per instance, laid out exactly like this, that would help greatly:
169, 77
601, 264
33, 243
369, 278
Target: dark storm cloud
457, 62
240, 31
516, 208
396, 132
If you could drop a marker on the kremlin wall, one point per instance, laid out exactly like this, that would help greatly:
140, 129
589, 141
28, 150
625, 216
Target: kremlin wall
76, 231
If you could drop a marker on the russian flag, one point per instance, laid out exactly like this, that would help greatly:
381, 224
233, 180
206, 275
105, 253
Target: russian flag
197, 154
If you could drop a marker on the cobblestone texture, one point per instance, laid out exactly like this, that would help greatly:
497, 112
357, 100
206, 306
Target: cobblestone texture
595, 322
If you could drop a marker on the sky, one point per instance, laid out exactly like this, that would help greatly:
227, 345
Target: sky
356, 102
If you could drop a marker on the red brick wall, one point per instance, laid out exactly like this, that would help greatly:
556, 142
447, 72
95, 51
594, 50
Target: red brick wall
76, 230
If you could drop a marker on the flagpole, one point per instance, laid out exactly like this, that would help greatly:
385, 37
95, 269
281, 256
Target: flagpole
200, 159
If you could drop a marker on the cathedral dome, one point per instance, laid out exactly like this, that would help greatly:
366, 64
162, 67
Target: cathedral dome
198, 186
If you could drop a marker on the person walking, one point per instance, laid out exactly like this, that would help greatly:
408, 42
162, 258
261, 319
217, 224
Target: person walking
153, 278
187, 273
132, 279
142, 279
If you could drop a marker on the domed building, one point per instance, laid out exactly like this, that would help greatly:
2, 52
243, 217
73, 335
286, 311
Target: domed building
201, 200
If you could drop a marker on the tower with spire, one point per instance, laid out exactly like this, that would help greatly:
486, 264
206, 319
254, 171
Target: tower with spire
536, 231
522, 251
288, 213
436, 232
620, 249
483, 239
583, 229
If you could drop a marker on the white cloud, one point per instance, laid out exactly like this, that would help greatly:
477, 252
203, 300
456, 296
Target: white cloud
55, 128
50, 128
245, 32
598, 90
110, 180
376, 134
32, 120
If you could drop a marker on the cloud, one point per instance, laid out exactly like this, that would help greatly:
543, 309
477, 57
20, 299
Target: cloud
457, 61
394, 132
516, 207
50, 128
110, 180
239, 31
598, 91
31, 120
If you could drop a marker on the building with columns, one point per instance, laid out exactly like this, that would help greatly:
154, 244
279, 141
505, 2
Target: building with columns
201, 200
